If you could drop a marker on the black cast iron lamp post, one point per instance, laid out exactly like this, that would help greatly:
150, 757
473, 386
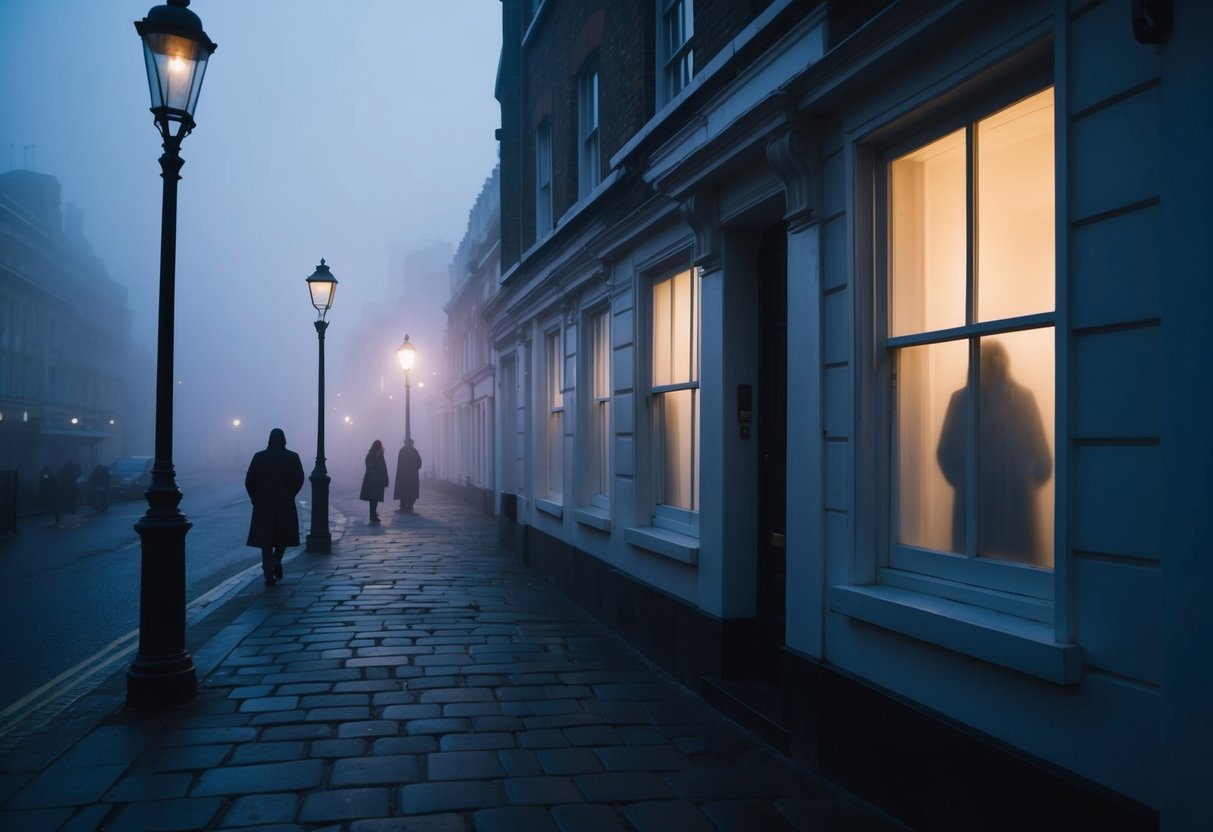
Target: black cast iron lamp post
407, 355
176, 51
322, 286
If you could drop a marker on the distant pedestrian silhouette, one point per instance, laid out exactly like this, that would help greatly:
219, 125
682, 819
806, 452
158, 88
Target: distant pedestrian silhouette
1013, 461
48, 492
274, 477
408, 476
374, 480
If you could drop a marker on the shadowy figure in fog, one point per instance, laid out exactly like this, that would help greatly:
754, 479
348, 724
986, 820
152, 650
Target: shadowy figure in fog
1013, 460
274, 478
69, 493
408, 476
98, 488
374, 480
48, 492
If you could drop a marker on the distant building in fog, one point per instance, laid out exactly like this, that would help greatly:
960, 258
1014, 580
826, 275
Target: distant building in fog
463, 451
64, 337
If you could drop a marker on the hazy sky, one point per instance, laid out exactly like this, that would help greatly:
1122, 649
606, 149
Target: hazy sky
353, 131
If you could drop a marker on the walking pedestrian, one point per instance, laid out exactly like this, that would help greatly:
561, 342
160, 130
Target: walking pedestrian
374, 480
274, 477
408, 476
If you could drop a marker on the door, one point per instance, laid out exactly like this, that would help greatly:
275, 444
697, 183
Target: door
771, 414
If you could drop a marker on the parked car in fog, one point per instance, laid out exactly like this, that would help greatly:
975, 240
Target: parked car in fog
130, 477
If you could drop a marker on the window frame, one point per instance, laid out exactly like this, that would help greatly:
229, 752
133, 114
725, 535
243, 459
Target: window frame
675, 65
545, 209
684, 520
598, 405
589, 150
1018, 589
553, 421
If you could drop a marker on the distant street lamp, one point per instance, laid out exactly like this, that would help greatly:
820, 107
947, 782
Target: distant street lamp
407, 355
176, 51
322, 286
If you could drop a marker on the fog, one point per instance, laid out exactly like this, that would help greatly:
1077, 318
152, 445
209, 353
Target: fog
356, 132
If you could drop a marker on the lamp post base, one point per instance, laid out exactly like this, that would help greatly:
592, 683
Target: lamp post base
319, 539
162, 673
161, 682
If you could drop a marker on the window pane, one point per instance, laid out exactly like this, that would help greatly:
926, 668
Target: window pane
555, 448
601, 340
1015, 448
928, 238
662, 297
677, 412
555, 374
601, 458
932, 455
681, 336
1015, 253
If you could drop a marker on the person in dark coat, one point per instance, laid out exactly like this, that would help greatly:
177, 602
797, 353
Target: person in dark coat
1014, 461
408, 476
374, 480
274, 478
48, 492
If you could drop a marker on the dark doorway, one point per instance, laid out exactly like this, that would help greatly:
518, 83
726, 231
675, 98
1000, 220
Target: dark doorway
772, 424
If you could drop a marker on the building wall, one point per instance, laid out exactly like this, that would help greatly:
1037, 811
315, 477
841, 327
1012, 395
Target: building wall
1065, 712
64, 338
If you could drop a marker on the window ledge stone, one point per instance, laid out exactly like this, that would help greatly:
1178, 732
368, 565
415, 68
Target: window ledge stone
594, 517
549, 507
1006, 640
680, 547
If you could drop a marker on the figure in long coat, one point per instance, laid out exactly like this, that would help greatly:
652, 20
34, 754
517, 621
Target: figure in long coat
274, 478
374, 480
1014, 461
408, 476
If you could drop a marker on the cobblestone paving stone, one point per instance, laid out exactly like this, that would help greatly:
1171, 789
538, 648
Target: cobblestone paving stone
420, 679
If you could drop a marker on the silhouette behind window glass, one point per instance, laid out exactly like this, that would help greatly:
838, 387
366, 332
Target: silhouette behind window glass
1014, 461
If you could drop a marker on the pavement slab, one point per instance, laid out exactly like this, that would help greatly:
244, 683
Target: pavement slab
418, 679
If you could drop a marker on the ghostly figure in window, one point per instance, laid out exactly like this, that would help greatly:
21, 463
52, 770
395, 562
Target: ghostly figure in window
1013, 461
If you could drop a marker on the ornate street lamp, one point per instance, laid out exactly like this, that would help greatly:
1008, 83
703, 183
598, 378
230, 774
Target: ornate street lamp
407, 355
176, 51
322, 286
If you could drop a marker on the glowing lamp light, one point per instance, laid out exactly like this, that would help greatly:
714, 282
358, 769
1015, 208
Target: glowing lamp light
323, 286
175, 50
235, 423
407, 354
75, 421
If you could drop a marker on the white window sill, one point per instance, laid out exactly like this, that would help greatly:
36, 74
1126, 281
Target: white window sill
996, 637
680, 547
594, 517
549, 507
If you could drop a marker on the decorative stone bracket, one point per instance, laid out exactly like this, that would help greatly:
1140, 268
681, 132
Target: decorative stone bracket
702, 212
793, 154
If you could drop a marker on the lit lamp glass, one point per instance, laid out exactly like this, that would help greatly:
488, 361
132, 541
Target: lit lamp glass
323, 286
176, 51
407, 354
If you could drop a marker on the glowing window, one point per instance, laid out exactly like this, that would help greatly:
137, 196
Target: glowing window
971, 290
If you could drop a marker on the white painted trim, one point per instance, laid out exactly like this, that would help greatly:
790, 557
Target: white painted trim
673, 545
1005, 640
549, 507
593, 517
